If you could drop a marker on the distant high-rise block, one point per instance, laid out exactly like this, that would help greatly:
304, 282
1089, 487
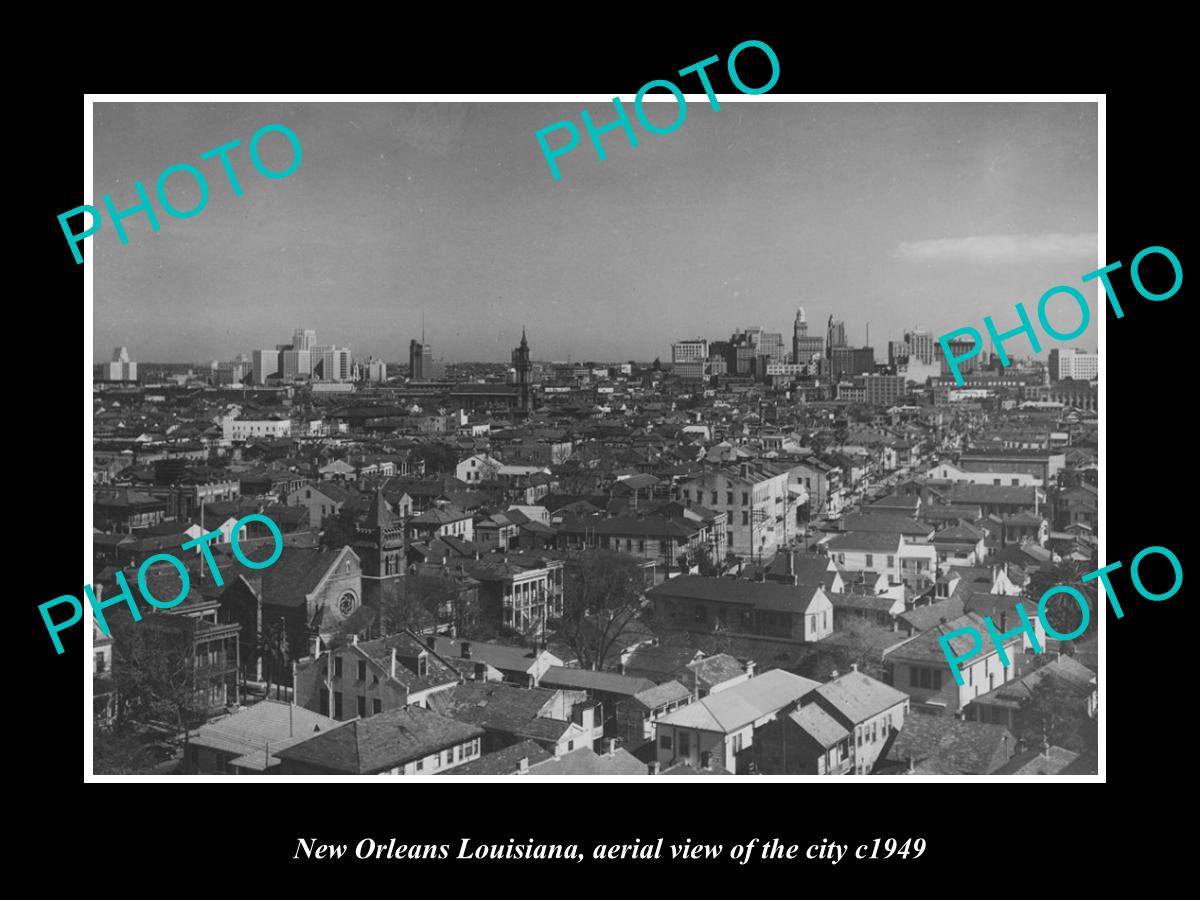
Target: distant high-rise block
804, 345
265, 364
304, 339
1073, 363
121, 368
420, 361
687, 351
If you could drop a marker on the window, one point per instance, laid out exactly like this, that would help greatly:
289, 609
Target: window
912, 677
664, 742
420, 764
449, 757
858, 736
100, 664
891, 562
714, 499
995, 481
324, 702
362, 670
685, 743
1016, 482
362, 707
376, 706
745, 498
337, 667
737, 743
870, 560
729, 498
812, 625
337, 704
422, 666
745, 517
570, 746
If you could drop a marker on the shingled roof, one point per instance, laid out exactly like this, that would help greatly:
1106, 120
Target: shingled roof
381, 742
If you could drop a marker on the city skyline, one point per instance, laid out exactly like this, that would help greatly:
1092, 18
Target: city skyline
941, 213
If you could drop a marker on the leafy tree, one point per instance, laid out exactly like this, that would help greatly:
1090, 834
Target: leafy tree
155, 678
120, 752
602, 595
1055, 713
1062, 610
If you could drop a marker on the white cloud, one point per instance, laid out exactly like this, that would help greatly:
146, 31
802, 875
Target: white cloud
1000, 248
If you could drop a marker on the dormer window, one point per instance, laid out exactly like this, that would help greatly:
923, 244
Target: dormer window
422, 666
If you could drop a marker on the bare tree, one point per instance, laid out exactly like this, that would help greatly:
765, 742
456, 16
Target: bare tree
602, 595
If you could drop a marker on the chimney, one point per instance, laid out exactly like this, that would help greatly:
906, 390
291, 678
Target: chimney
354, 639
610, 746
392, 669
465, 649
1003, 620
751, 668
911, 768
854, 667
523, 765
655, 767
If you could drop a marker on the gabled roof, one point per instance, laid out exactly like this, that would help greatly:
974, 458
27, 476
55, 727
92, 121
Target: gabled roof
743, 704
971, 748
500, 656
769, 595
296, 574
662, 694
876, 542
857, 697
382, 741
588, 680
823, 728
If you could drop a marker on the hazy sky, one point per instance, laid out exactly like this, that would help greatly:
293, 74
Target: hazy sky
897, 214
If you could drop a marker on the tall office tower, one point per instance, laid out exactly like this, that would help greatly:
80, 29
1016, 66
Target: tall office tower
770, 345
689, 351
804, 345
331, 363
375, 371
524, 372
266, 364
960, 347
304, 339
898, 353
920, 345
848, 361
295, 364
420, 360
1073, 363
835, 336
121, 368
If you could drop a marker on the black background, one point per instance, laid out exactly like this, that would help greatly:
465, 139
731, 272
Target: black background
982, 830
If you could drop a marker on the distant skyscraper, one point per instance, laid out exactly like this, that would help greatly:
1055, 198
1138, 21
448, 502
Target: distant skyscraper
805, 346
524, 372
304, 339
835, 336
265, 364
920, 345
1078, 365
689, 351
121, 368
847, 361
420, 360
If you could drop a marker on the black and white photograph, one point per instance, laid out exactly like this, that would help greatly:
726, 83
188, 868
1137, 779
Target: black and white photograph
424, 444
